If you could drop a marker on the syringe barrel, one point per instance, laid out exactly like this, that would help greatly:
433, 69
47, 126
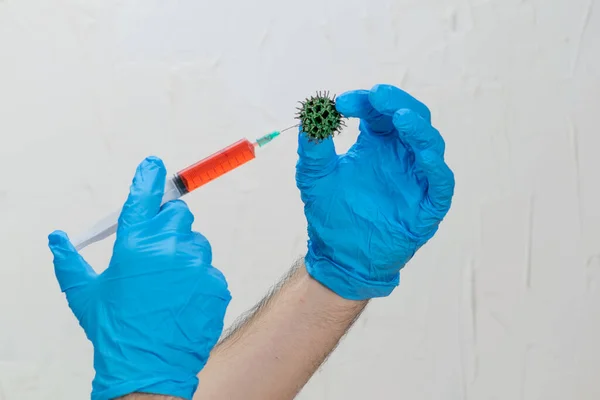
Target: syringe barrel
214, 166
185, 181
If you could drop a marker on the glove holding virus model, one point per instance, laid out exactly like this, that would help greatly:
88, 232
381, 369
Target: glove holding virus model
369, 210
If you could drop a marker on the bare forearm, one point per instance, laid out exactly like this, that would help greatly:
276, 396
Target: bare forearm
274, 351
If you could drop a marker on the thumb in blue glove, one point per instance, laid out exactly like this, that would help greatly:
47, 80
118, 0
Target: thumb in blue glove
371, 209
156, 312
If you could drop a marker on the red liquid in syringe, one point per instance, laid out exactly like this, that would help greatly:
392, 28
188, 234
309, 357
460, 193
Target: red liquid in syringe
216, 165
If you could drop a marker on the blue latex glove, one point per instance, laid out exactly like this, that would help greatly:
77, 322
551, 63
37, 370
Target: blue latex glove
371, 209
156, 312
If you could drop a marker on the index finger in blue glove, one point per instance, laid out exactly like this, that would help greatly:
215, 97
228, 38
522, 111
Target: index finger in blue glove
424, 140
388, 99
356, 104
70, 268
201, 249
145, 194
418, 133
440, 190
376, 107
175, 215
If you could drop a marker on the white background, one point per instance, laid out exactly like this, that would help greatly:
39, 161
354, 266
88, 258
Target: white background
504, 303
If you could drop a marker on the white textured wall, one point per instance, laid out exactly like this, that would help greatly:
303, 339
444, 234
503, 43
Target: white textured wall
503, 304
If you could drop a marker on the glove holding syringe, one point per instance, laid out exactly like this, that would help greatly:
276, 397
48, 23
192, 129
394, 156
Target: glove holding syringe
188, 180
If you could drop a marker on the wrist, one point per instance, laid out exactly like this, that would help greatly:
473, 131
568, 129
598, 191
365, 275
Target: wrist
327, 308
126, 379
161, 388
347, 282
319, 292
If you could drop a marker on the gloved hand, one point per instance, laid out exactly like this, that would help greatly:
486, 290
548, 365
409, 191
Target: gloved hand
156, 312
371, 209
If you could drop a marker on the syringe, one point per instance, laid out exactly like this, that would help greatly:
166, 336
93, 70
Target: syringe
188, 180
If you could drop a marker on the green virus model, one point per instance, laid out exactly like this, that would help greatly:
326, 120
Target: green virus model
319, 118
